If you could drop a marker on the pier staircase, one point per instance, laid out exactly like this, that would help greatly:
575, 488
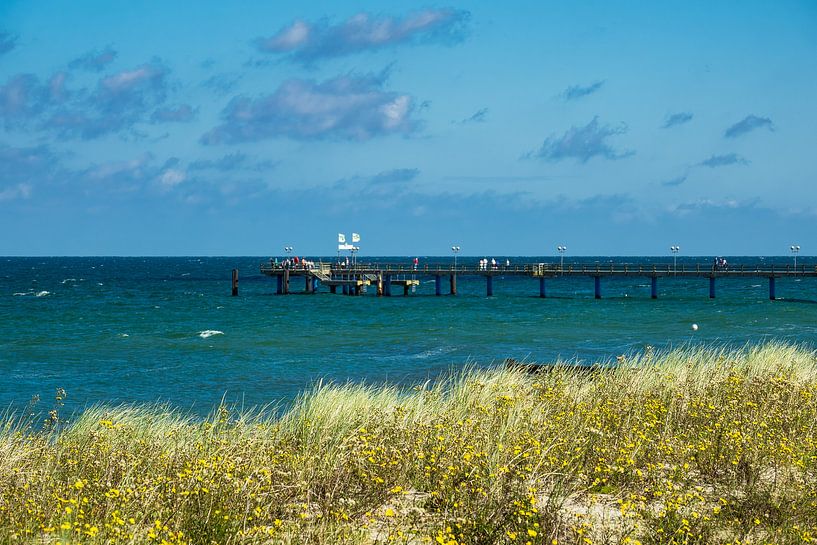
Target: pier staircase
323, 273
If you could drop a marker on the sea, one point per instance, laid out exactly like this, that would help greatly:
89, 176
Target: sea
119, 330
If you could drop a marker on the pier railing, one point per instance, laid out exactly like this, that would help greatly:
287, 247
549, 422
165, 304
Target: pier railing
540, 269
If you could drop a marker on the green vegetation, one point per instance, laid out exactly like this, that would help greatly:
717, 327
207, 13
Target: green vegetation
691, 446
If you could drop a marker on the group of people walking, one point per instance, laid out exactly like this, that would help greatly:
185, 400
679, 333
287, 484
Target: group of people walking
294, 263
720, 264
484, 264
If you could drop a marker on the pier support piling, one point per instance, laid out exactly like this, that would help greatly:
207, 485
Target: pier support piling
346, 289
542, 293
453, 281
286, 281
711, 287
405, 289
772, 293
279, 288
380, 285
387, 285
314, 284
597, 286
489, 285
235, 282
333, 289
654, 287
438, 285
308, 284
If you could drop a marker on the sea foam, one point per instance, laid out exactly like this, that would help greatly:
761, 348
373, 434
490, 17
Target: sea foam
43, 293
209, 333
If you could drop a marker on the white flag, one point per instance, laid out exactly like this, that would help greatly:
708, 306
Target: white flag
355, 237
341, 238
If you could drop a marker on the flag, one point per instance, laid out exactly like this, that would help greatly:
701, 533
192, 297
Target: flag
341, 238
355, 237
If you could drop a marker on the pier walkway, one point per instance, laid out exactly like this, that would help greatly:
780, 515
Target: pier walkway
352, 280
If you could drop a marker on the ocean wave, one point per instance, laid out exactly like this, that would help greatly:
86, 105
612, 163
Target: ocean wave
69, 280
30, 293
209, 333
433, 352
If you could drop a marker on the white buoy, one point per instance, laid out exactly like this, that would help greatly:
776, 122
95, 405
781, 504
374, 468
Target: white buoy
694, 327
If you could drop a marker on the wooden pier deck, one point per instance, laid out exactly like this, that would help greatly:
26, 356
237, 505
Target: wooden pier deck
385, 276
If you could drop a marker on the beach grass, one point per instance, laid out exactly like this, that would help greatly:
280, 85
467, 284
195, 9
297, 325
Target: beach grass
694, 445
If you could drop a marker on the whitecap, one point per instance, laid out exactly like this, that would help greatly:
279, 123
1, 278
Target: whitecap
22, 293
209, 333
123, 335
43, 293
69, 280
440, 351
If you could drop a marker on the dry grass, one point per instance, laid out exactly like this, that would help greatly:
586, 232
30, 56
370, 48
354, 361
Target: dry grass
691, 446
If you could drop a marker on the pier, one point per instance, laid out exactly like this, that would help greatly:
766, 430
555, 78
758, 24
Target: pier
388, 279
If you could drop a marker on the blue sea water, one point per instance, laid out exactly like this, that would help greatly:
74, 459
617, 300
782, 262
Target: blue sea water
115, 329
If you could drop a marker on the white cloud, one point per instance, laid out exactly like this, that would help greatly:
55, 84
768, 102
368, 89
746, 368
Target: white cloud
19, 191
172, 177
289, 38
307, 42
346, 107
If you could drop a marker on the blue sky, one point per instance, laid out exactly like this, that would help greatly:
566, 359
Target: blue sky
132, 128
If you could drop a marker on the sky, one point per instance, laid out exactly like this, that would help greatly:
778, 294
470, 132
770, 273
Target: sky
238, 128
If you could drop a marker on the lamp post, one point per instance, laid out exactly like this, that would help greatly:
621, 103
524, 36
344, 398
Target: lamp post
675, 250
456, 250
795, 250
561, 250
354, 251
288, 250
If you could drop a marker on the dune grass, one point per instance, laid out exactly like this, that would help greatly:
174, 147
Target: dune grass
696, 445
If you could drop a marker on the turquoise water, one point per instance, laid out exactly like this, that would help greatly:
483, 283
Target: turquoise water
130, 329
